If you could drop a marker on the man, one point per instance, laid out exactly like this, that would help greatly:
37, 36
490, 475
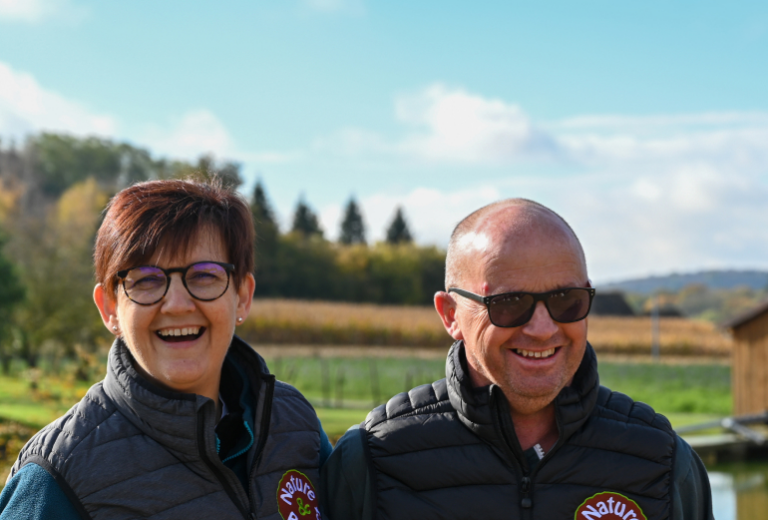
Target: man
520, 427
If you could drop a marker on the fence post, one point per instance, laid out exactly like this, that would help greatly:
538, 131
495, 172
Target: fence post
326, 382
375, 390
655, 347
340, 387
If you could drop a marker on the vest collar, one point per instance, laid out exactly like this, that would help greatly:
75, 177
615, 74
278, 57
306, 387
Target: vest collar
479, 409
168, 417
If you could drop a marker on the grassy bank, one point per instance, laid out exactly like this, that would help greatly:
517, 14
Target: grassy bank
343, 390
359, 383
327, 323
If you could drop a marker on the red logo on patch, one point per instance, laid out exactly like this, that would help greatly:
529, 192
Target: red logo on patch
297, 498
609, 506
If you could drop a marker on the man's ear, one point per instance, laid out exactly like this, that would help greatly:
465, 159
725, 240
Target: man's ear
445, 306
107, 305
245, 297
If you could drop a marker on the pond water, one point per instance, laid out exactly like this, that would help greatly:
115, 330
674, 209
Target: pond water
740, 491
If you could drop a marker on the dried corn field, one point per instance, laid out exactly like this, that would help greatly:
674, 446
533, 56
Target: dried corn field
329, 323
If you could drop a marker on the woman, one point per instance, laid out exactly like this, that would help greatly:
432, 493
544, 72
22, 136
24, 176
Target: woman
188, 422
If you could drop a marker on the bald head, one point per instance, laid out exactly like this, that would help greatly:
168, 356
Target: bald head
504, 227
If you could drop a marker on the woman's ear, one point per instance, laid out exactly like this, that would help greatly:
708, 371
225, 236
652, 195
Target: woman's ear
245, 297
107, 305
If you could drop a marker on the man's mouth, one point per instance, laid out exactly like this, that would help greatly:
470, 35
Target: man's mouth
535, 354
182, 334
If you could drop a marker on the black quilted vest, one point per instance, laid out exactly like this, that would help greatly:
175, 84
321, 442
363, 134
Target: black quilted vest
445, 451
131, 450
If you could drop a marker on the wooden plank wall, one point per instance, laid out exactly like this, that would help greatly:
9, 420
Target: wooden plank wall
749, 376
752, 504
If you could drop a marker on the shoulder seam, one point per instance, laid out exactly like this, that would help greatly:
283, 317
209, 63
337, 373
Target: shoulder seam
410, 413
371, 470
62, 483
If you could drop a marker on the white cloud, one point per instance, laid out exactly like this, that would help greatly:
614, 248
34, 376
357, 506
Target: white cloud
34, 11
193, 134
646, 194
453, 126
635, 222
631, 223
27, 107
458, 126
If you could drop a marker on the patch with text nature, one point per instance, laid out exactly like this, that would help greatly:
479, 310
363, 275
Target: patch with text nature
297, 498
609, 506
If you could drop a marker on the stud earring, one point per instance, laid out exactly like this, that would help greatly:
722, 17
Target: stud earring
114, 327
239, 319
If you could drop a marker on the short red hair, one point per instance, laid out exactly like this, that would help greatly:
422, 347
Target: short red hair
170, 214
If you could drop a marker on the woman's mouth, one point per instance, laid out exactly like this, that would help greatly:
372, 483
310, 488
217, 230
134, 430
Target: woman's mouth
179, 335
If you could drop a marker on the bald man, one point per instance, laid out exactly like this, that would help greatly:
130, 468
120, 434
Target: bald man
520, 427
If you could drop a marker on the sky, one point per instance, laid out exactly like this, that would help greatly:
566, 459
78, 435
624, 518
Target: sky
644, 124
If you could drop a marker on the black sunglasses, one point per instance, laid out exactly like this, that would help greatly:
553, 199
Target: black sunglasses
148, 284
513, 309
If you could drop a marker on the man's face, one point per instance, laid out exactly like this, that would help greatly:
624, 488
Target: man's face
503, 356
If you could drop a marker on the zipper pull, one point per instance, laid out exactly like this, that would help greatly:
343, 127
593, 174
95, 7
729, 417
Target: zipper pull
525, 489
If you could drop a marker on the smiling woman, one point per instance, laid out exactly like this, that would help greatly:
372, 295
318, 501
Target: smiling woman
188, 423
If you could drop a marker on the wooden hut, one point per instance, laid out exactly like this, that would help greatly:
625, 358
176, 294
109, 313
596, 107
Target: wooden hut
610, 304
749, 369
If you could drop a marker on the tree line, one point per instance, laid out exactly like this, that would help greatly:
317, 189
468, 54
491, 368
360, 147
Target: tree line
53, 189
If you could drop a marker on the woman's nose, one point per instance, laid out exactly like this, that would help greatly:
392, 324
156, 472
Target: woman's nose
177, 299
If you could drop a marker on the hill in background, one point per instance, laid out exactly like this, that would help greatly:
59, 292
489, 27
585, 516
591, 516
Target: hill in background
714, 296
713, 280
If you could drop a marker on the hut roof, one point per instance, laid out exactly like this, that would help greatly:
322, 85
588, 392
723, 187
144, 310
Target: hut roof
611, 304
747, 316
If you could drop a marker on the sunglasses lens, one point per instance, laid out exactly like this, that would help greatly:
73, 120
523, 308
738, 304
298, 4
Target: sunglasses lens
511, 310
569, 305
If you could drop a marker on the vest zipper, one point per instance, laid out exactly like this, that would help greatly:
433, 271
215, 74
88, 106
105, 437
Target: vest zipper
526, 485
266, 417
525, 489
231, 492
503, 424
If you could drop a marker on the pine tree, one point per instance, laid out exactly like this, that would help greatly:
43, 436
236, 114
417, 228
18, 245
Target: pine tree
398, 230
260, 206
352, 227
305, 221
266, 244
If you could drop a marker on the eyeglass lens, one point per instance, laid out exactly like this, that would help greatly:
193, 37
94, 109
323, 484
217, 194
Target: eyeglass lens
204, 281
512, 310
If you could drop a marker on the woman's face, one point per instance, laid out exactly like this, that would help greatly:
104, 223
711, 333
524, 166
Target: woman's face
194, 364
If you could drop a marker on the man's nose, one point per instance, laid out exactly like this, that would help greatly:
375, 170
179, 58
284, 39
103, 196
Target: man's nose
177, 299
541, 325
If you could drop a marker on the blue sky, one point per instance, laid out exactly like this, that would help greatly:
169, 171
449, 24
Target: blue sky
645, 124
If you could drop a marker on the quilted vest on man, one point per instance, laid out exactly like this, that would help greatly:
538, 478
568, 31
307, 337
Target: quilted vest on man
132, 450
446, 450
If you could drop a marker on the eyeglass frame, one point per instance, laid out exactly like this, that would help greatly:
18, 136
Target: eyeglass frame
537, 297
229, 268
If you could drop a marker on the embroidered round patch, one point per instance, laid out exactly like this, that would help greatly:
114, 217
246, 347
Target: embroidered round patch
609, 506
296, 497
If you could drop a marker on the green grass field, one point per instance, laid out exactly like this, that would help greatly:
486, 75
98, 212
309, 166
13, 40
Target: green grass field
343, 390
351, 383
